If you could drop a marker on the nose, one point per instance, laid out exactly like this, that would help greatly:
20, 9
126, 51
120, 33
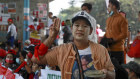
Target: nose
80, 28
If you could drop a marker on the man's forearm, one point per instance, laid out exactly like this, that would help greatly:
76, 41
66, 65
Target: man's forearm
49, 41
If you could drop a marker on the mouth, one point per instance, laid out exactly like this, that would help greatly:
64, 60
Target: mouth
79, 34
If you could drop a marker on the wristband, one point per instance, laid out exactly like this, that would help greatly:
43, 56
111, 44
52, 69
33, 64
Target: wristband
40, 50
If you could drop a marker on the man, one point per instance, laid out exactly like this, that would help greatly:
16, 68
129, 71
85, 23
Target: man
34, 32
67, 37
50, 19
97, 57
50, 22
11, 33
88, 7
116, 32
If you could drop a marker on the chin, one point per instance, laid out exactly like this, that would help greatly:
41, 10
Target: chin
79, 38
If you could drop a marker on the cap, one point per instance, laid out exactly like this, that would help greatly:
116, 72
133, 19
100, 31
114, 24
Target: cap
12, 51
28, 42
84, 14
10, 20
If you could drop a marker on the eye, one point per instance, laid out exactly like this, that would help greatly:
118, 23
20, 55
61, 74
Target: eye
85, 26
76, 25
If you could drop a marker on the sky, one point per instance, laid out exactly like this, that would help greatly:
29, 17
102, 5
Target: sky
58, 5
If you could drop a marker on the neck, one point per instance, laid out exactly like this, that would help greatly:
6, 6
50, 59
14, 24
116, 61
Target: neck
81, 44
116, 11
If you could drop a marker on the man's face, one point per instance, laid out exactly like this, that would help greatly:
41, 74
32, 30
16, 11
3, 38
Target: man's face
81, 30
50, 15
35, 23
110, 7
34, 67
9, 23
9, 56
85, 8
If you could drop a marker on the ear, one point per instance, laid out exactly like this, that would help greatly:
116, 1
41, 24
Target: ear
91, 29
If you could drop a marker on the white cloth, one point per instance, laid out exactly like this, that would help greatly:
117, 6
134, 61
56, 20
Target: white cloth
28, 28
50, 22
86, 51
93, 36
12, 28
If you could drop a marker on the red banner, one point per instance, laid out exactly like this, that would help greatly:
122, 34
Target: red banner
6, 73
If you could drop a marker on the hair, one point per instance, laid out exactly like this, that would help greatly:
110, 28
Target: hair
77, 18
54, 17
14, 57
133, 67
35, 20
51, 13
24, 53
115, 3
88, 5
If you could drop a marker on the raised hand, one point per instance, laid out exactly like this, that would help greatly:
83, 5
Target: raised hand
54, 29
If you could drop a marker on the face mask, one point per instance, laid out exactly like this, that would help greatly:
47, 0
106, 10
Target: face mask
36, 71
8, 60
25, 60
111, 13
18, 61
35, 23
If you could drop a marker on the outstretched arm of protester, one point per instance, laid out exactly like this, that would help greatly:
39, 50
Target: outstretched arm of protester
41, 50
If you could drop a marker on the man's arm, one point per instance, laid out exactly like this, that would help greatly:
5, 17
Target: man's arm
40, 51
124, 31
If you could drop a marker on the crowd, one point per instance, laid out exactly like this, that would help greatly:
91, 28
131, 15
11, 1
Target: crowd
86, 47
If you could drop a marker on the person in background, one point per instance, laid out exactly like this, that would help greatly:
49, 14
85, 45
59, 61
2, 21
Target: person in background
99, 33
36, 69
67, 37
10, 60
116, 32
133, 70
88, 8
134, 50
34, 32
23, 67
50, 19
50, 22
11, 33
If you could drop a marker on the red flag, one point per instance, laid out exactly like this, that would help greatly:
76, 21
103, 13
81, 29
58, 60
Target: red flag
7, 73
